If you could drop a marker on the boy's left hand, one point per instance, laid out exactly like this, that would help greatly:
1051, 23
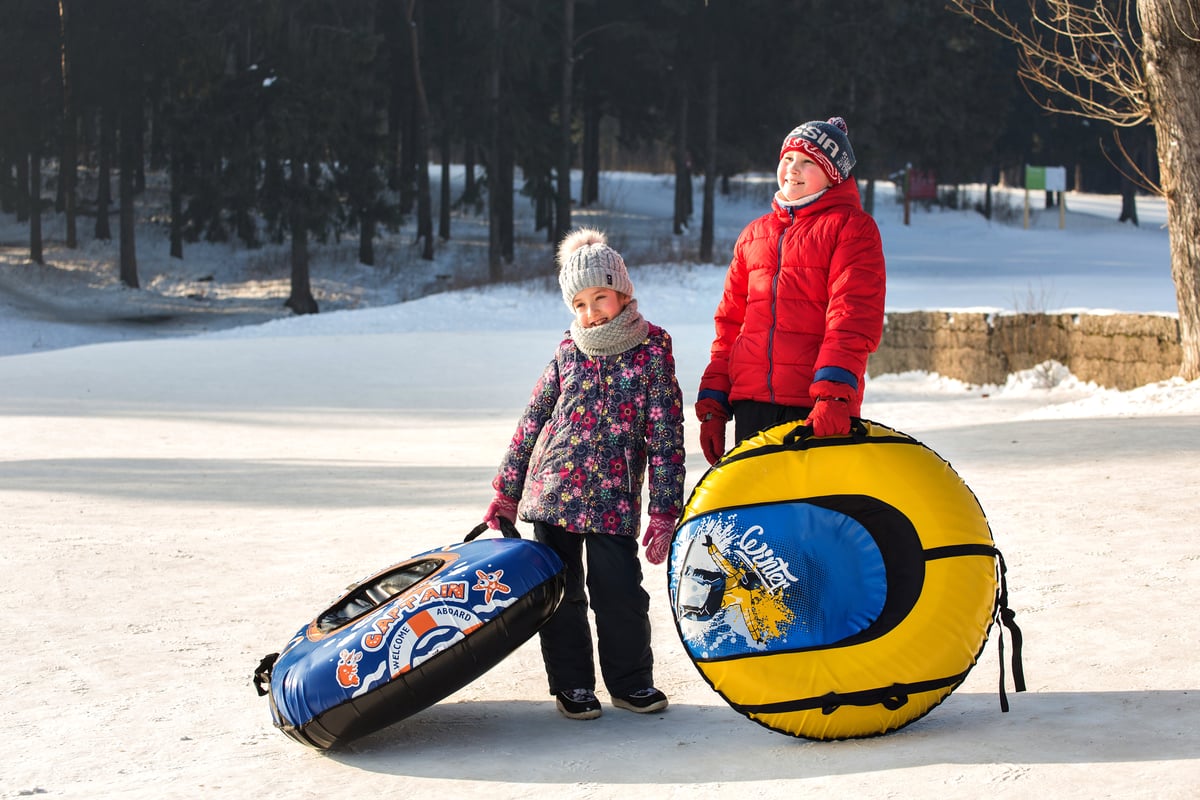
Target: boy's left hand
658, 537
831, 408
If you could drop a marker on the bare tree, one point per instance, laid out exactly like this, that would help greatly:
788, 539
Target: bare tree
1125, 62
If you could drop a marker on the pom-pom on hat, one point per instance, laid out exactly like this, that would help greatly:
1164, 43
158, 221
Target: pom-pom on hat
826, 143
585, 260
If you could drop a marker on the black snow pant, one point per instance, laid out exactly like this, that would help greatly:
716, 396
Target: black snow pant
752, 416
612, 582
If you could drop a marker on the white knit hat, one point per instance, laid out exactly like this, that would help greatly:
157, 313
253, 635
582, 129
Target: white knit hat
585, 260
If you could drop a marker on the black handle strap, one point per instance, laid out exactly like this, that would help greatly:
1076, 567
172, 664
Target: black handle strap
799, 436
1008, 619
507, 529
262, 673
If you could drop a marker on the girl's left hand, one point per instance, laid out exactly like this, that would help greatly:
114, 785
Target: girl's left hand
657, 540
501, 506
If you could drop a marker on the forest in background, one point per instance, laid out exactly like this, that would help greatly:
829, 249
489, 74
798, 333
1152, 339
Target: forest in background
284, 121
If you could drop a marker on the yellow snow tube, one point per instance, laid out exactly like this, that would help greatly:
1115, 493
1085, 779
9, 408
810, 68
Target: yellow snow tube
836, 587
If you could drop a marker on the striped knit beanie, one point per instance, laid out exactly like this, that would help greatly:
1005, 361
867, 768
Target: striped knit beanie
826, 143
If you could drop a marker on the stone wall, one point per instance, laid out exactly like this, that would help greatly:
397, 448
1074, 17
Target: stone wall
1120, 351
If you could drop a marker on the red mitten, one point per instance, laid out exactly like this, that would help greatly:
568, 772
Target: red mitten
501, 506
831, 408
713, 417
657, 540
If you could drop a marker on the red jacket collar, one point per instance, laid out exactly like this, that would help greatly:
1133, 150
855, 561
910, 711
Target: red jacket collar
844, 193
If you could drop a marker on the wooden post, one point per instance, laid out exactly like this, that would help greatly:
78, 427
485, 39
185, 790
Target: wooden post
907, 193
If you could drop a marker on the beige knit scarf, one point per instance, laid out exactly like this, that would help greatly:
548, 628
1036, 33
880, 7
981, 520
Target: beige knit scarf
615, 336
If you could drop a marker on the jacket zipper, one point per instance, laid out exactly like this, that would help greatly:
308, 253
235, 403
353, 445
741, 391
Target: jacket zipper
775, 304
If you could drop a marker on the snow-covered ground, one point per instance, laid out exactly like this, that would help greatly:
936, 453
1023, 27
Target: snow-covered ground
176, 505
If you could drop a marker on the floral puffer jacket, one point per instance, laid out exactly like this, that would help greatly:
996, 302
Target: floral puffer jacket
592, 426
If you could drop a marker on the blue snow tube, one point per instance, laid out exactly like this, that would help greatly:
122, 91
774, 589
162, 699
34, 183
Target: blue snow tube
409, 636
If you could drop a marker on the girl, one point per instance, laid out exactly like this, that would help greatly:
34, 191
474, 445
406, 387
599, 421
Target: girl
606, 409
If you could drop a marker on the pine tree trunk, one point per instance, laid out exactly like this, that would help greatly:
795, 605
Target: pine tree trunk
683, 166
543, 212
708, 222
366, 239
176, 191
444, 190
1172, 62
394, 121
407, 157
68, 178
35, 173
104, 173
301, 300
67, 175
8, 190
562, 221
507, 181
470, 187
245, 178
23, 188
139, 150
589, 186
35, 206
1128, 202
424, 199
421, 139
130, 128
495, 260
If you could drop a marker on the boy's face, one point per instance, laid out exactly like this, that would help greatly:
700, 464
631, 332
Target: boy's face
799, 176
597, 305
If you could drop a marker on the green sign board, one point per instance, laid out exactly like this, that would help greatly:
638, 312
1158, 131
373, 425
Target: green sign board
1035, 177
1050, 179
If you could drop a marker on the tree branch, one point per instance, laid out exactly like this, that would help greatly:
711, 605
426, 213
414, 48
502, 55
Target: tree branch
1082, 54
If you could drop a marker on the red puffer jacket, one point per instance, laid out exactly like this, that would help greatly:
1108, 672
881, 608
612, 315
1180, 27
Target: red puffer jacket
803, 297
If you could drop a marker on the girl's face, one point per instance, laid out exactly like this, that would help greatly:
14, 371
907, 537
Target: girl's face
597, 305
799, 176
